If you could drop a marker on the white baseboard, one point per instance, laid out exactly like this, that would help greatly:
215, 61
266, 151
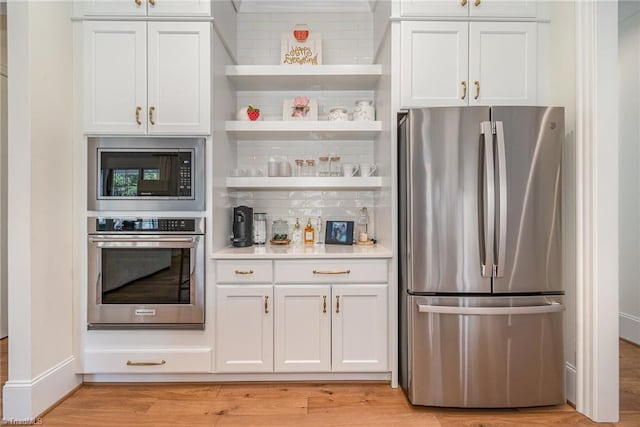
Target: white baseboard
570, 382
25, 400
630, 327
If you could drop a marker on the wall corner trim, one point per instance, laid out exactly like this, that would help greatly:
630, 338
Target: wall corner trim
27, 399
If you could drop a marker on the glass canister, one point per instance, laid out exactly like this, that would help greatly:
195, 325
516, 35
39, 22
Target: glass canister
280, 230
311, 167
260, 228
299, 169
335, 166
323, 166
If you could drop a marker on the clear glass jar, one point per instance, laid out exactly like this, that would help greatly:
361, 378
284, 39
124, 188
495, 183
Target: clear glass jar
280, 230
323, 166
260, 228
311, 167
335, 166
299, 169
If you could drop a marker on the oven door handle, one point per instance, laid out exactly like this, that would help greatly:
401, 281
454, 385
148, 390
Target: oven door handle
142, 239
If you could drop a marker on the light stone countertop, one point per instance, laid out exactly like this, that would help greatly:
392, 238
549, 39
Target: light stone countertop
315, 251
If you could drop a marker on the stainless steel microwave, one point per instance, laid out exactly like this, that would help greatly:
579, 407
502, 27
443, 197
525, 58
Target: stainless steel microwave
160, 174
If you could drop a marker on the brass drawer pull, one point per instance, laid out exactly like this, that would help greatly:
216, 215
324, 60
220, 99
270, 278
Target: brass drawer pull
244, 272
331, 272
337, 303
463, 3
464, 89
324, 303
153, 2
130, 363
151, 111
477, 83
477, 2
266, 304
138, 2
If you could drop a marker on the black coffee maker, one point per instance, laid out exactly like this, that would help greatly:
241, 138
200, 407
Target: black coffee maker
242, 226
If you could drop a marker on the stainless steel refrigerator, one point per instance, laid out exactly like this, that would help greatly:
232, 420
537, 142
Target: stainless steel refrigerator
481, 290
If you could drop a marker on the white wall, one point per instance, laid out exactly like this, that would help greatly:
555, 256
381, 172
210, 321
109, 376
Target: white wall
3, 177
347, 38
40, 207
629, 173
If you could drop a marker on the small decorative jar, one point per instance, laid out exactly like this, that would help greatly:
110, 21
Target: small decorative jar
280, 230
364, 110
301, 32
299, 170
335, 166
338, 114
311, 167
323, 166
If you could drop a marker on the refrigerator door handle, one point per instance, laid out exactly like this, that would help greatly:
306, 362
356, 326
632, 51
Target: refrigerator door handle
553, 307
502, 201
488, 201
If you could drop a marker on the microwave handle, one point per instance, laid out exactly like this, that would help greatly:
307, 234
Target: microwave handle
142, 239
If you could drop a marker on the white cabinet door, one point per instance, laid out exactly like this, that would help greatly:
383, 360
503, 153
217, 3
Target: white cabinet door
302, 328
359, 328
179, 77
434, 8
114, 7
244, 328
115, 89
179, 8
503, 8
502, 63
434, 64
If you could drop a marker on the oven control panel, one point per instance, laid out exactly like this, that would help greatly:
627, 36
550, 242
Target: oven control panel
148, 225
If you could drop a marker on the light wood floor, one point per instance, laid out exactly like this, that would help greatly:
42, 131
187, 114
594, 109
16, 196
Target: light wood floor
297, 404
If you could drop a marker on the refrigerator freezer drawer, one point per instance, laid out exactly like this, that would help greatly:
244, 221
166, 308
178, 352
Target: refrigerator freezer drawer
486, 352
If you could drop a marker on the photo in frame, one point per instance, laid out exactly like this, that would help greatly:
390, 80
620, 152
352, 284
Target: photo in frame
300, 108
339, 233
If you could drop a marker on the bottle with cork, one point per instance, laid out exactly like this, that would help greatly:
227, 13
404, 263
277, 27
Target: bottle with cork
309, 233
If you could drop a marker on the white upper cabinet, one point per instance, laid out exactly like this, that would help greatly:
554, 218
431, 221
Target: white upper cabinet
434, 63
179, 77
462, 8
147, 78
462, 63
502, 63
174, 8
115, 73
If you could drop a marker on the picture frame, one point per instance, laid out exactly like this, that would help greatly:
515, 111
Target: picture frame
300, 108
294, 52
339, 233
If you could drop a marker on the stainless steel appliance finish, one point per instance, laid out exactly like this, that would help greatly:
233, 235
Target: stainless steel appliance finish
145, 273
479, 209
158, 174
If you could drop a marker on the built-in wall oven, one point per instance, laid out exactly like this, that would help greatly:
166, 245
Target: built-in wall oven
160, 174
146, 273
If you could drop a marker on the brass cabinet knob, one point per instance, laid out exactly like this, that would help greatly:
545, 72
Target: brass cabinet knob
477, 2
463, 3
138, 2
153, 2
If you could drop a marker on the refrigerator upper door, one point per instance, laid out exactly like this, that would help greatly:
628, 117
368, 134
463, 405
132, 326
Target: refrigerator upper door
442, 163
528, 153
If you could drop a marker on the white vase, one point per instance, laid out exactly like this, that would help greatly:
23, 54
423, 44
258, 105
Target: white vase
364, 110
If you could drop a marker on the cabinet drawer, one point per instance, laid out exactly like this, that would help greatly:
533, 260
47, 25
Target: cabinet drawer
244, 271
331, 271
147, 361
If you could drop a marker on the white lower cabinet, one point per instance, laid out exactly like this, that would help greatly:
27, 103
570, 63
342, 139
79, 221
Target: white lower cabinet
359, 328
301, 328
147, 361
244, 328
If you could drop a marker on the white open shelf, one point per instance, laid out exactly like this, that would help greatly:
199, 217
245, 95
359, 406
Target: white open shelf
304, 77
305, 183
304, 129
